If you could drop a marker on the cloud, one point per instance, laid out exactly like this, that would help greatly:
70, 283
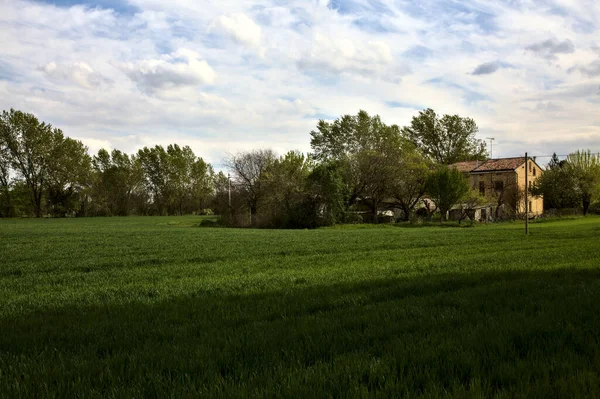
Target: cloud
486, 69
322, 58
179, 69
548, 49
237, 27
342, 55
591, 70
79, 73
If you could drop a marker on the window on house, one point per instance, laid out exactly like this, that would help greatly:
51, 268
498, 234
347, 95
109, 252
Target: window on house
534, 171
530, 166
481, 188
529, 210
499, 186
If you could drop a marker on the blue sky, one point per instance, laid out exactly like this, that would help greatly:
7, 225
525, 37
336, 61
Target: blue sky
231, 75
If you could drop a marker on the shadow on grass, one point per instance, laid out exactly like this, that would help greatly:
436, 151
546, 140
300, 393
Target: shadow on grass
532, 334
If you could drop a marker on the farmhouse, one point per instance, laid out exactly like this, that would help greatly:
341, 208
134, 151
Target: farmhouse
502, 183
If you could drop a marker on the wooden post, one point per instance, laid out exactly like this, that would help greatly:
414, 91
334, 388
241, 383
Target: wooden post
526, 194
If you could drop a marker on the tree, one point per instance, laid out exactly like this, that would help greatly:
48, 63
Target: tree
446, 187
557, 185
447, 140
41, 155
327, 191
178, 181
468, 205
376, 172
189, 179
69, 171
5, 181
363, 147
117, 177
29, 143
585, 168
248, 170
155, 167
351, 134
286, 202
409, 179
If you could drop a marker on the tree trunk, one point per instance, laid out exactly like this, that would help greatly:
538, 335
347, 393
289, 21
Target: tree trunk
406, 210
253, 210
38, 204
586, 204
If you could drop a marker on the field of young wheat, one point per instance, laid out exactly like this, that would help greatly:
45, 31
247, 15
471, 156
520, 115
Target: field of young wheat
159, 307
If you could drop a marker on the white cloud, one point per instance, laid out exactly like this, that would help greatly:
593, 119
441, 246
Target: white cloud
283, 65
179, 69
237, 27
343, 55
79, 73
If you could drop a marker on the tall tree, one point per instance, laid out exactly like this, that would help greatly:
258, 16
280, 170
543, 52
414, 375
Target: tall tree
38, 152
248, 172
409, 180
376, 172
327, 191
446, 187
364, 147
446, 140
557, 185
117, 176
286, 195
5, 181
69, 171
155, 166
585, 167
351, 134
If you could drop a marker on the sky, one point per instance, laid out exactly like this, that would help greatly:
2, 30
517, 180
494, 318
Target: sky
226, 76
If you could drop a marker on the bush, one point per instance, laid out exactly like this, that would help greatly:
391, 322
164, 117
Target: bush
209, 223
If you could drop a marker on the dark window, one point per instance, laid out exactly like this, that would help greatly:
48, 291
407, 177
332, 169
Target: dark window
529, 210
534, 171
499, 185
481, 188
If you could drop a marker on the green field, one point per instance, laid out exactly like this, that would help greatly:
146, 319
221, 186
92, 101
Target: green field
158, 307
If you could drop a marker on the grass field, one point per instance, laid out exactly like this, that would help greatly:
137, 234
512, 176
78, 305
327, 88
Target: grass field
158, 307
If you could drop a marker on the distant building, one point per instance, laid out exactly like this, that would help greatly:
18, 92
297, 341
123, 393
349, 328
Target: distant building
502, 183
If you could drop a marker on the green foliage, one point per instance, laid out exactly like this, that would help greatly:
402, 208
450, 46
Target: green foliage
368, 152
156, 307
469, 203
409, 180
45, 160
178, 181
558, 186
446, 187
352, 134
445, 140
117, 182
585, 169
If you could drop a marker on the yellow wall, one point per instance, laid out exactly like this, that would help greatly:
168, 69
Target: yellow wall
537, 203
511, 180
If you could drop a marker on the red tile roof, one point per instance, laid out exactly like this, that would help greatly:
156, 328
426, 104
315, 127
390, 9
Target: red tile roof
500, 164
489, 165
466, 166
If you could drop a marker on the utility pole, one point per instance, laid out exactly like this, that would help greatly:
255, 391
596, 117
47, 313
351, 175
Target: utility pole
229, 181
491, 139
526, 194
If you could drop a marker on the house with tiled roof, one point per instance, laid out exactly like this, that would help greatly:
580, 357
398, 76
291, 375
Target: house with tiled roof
502, 182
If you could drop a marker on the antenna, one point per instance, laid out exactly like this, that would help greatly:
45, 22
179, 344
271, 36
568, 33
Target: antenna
491, 139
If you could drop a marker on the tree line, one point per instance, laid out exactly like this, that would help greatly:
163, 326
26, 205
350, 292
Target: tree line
358, 165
